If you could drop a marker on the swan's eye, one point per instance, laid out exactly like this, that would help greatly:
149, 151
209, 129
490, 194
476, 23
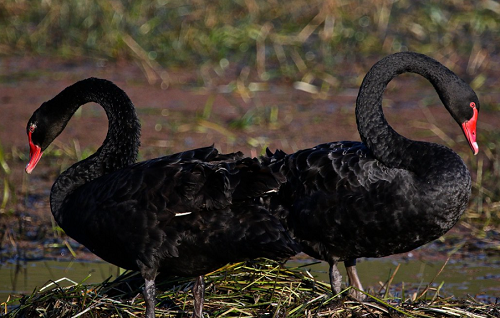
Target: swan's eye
472, 105
32, 128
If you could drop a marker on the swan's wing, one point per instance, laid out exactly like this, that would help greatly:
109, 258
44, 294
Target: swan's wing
195, 185
136, 204
204, 154
329, 168
239, 233
336, 193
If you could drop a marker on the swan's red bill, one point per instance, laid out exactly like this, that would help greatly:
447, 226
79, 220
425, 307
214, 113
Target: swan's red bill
469, 128
35, 155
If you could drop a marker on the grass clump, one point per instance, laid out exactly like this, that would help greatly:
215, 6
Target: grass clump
259, 289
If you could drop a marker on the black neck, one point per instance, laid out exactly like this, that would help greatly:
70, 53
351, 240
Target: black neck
120, 146
386, 144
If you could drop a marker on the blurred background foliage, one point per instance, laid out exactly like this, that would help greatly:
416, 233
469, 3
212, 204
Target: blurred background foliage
278, 38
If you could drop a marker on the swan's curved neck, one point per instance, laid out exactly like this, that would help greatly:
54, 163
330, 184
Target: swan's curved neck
120, 146
386, 144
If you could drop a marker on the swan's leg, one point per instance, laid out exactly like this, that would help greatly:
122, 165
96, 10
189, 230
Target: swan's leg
149, 292
199, 296
149, 296
352, 276
335, 277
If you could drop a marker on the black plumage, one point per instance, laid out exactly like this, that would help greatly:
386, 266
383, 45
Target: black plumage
384, 195
185, 214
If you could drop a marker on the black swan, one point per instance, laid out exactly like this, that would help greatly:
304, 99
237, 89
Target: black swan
185, 214
384, 195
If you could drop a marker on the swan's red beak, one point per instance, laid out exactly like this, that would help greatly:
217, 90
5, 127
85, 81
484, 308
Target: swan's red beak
469, 128
35, 155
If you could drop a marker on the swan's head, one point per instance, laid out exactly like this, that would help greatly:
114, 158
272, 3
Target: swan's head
469, 127
463, 104
42, 128
35, 148
465, 113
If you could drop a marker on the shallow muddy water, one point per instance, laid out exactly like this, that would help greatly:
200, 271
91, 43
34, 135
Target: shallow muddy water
476, 277
25, 277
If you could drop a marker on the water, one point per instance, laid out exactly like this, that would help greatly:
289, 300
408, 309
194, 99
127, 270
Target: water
478, 277
25, 277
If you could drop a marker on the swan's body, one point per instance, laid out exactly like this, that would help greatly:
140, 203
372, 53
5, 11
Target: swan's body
387, 194
185, 214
